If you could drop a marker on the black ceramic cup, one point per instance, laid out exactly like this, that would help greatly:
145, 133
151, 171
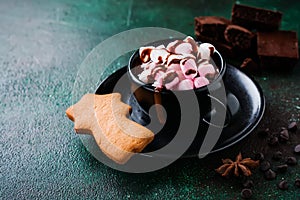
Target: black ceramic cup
164, 107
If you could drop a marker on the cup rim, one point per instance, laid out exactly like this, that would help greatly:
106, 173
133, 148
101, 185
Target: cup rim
149, 87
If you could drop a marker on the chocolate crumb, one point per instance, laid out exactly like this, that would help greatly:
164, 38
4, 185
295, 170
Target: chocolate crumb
248, 184
292, 127
282, 168
284, 135
291, 160
277, 156
270, 174
297, 182
264, 166
283, 185
246, 193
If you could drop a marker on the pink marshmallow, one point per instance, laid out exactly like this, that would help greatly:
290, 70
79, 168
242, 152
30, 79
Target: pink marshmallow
186, 84
159, 56
159, 69
176, 68
144, 76
205, 51
200, 82
171, 46
149, 65
206, 69
158, 74
171, 85
189, 68
183, 48
158, 84
191, 41
180, 75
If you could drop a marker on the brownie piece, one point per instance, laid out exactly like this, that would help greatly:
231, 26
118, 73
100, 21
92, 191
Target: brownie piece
239, 37
211, 26
277, 50
256, 18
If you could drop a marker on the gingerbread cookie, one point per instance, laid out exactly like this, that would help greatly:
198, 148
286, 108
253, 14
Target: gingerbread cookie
105, 117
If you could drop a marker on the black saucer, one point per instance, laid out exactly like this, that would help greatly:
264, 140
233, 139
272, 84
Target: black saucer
245, 101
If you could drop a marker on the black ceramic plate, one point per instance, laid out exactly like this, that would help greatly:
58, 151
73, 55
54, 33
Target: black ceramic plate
245, 100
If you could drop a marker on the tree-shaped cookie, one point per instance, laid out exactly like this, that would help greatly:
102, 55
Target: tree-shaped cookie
105, 117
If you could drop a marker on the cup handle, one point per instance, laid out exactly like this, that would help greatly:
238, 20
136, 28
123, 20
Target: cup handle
214, 112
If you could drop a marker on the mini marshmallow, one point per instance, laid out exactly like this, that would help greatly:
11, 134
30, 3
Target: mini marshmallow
200, 82
205, 51
176, 68
172, 85
171, 46
207, 69
189, 68
158, 84
191, 41
149, 65
159, 56
183, 48
180, 75
144, 76
158, 68
158, 74
186, 84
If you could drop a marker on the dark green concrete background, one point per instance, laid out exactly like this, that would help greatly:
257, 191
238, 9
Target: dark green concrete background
42, 44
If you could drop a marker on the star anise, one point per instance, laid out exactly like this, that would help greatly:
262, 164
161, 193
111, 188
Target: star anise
236, 166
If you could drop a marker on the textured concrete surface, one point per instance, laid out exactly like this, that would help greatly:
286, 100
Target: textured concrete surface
42, 46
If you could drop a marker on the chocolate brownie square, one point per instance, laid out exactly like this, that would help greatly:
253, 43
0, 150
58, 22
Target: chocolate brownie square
211, 26
277, 50
256, 18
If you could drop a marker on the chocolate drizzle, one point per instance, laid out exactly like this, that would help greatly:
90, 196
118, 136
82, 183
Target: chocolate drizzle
145, 55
